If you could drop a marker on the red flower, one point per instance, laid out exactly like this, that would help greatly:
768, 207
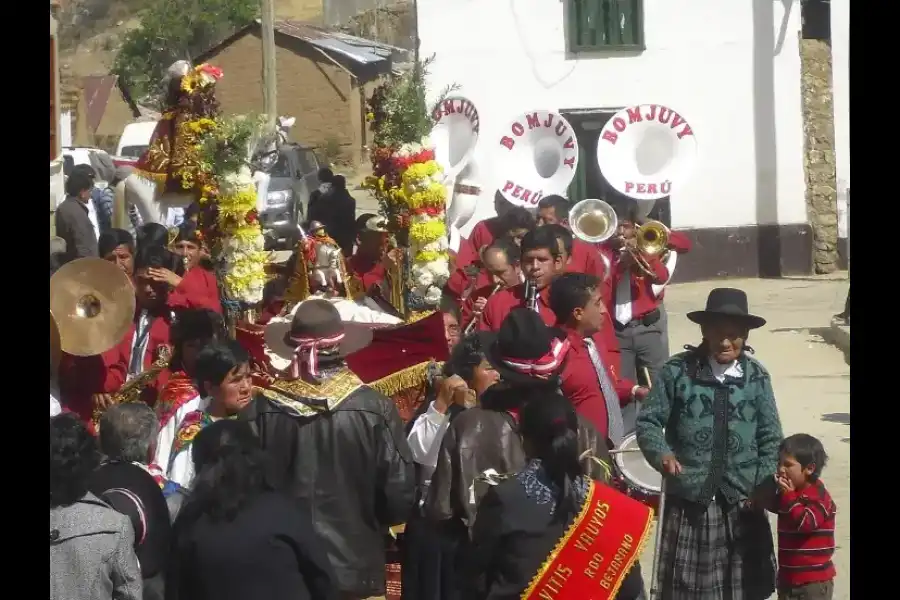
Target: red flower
252, 216
214, 72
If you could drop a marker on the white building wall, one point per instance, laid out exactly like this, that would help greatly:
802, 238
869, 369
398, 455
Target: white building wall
510, 57
840, 64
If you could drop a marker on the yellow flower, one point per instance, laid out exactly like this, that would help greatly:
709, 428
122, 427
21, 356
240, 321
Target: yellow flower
427, 232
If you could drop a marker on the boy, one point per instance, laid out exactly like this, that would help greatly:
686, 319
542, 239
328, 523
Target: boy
805, 522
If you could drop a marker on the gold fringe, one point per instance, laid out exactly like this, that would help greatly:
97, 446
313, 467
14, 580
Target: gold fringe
418, 316
565, 538
157, 178
405, 379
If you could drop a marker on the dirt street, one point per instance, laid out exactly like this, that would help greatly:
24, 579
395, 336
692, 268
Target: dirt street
811, 379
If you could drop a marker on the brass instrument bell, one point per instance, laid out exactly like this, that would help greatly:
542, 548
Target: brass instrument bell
593, 221
92, 301
652, 238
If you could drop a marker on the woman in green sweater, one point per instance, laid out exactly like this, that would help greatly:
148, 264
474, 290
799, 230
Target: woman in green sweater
710, 425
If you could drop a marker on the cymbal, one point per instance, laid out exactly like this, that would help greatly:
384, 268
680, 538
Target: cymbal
92, 301
55, 350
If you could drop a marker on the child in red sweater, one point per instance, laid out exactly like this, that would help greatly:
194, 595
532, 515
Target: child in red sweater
805, 522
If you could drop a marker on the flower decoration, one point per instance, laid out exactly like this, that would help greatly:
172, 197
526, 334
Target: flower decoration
203, 76
407, 181
212, 163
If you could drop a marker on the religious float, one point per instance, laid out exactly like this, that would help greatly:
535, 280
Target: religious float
197, 154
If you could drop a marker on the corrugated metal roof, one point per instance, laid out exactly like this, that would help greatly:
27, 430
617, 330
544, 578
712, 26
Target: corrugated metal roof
355, 48
97, 91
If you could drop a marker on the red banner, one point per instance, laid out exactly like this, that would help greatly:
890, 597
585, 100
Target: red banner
592, 558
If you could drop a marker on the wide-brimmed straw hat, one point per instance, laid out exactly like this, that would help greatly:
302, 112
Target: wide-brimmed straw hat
727, 302
524, 351
315, 335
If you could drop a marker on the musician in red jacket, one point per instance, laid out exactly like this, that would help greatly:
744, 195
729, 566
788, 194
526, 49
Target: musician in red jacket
639, 317
590, 379
511, 220
584, 257
502, 267
543, 260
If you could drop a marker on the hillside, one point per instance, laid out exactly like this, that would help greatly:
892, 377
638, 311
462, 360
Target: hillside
91, 30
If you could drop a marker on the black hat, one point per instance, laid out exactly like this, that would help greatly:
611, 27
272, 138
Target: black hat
727, 302
315, 324
132, 491
525, 351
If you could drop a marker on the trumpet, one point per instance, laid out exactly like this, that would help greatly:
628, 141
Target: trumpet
477, 317
651, 240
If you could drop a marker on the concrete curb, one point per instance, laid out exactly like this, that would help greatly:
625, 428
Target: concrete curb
838, 334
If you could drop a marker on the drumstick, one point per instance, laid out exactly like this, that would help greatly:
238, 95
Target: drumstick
617, 451
647, 378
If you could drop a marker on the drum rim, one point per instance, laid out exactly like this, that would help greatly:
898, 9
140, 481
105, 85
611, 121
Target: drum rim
629, 476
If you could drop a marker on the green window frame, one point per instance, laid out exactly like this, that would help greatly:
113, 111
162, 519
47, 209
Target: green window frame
604, 25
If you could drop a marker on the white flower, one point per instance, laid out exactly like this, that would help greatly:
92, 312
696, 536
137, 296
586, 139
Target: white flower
433, 296
439, 245
421, 275
426, 142
439, 268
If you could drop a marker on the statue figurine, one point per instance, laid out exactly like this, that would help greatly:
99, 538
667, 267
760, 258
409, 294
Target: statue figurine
326, 266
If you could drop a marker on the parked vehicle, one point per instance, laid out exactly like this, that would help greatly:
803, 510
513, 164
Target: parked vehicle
294, 177
135, 139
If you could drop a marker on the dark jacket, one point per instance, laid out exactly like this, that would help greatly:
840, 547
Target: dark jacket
483, 438
512, 537
74, 226
269, 550
348, 460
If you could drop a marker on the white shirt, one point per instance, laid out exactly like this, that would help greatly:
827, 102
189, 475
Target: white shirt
425, 438
720, 371
55, 407
92, 215
181, 471
167, 431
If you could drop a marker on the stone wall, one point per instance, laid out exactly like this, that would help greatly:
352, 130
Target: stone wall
819, 161
393, 24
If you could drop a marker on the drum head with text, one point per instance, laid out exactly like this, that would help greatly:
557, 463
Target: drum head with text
646, 151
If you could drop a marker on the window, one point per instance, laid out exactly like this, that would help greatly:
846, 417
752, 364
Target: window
605, 25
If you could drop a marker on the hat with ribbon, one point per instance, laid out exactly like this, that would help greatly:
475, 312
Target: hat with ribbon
524, 351
315, 335
727, 302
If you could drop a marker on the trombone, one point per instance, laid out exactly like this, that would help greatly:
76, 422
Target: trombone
651, 241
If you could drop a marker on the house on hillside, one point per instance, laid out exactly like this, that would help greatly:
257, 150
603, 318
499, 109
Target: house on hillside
324, 79
734, 70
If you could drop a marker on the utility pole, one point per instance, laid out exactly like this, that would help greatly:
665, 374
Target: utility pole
269, 73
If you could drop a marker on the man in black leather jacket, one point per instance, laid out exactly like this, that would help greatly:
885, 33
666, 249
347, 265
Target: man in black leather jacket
339, 443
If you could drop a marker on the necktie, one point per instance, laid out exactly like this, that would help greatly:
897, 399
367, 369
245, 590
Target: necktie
613, 409
136, 365
623, 298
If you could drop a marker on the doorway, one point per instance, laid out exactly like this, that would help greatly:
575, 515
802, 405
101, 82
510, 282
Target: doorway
589, 181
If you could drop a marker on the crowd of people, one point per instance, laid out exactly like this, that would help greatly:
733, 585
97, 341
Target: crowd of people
231, 479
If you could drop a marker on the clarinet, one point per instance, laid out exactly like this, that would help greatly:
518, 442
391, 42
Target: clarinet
531, 295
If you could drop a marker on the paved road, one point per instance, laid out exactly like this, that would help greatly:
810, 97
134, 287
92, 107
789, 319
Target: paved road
811, 379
